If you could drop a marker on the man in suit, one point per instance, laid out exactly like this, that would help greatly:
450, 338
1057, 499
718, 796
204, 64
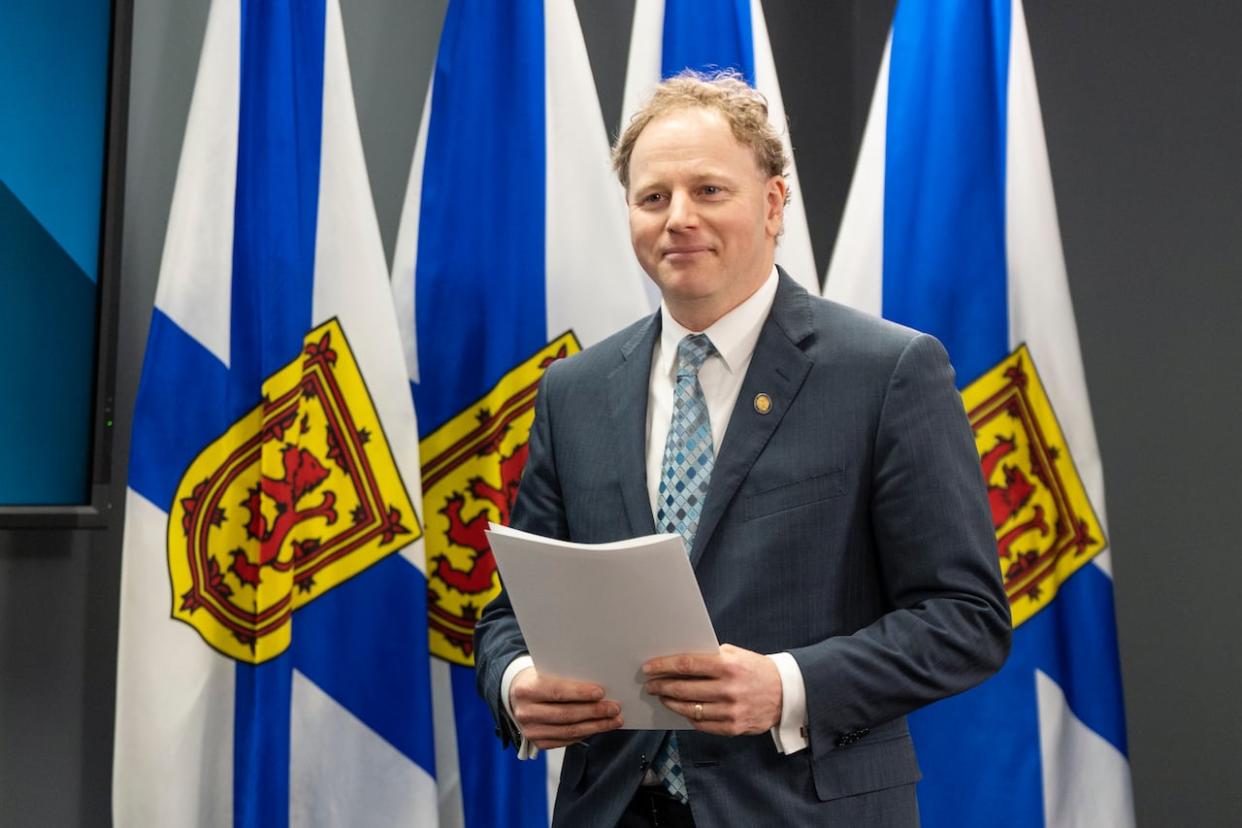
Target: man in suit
820, 466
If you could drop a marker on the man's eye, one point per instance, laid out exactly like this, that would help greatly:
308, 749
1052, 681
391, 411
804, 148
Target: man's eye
711, 189
653, 198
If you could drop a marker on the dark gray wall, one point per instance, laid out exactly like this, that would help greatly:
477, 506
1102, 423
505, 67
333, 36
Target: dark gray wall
1143, 110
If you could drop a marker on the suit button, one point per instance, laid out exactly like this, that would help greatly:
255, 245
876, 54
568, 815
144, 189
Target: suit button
854, 736
643, 763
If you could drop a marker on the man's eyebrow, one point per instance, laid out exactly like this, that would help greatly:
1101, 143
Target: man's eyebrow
638, 188
712, 172
698, 177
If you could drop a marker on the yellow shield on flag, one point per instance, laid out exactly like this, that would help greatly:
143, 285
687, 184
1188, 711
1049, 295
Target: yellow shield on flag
297, 496
471, 468
1045, 527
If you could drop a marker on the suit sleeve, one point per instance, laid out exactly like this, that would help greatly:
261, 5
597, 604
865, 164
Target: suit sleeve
949, 626
539, 509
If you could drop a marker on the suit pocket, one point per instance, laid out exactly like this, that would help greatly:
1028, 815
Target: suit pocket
793, 495
865, 767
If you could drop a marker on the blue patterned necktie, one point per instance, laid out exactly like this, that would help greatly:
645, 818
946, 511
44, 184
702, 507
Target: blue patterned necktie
685, 473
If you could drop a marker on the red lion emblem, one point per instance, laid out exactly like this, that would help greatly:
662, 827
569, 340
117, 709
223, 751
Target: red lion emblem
303, 474
1009, 499
469, 534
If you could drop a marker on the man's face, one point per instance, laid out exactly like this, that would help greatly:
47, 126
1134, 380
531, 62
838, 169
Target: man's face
703, 217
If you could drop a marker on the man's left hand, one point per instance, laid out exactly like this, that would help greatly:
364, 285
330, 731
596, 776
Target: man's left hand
733, 693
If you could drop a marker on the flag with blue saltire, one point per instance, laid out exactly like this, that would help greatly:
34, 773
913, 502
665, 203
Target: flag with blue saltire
670, 36
273, 663
951, 228
513, 251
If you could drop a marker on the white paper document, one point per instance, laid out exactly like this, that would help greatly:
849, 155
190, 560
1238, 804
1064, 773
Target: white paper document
596, 612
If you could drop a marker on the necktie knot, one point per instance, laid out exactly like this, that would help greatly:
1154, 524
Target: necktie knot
692, 352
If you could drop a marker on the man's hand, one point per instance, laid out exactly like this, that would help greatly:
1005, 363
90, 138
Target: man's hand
554, 712
739, 690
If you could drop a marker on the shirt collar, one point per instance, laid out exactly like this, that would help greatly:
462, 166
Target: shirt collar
734, 335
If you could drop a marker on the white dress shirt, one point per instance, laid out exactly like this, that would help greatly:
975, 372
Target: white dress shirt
734, 336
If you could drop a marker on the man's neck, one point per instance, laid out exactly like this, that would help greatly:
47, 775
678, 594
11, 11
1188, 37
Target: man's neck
699, 316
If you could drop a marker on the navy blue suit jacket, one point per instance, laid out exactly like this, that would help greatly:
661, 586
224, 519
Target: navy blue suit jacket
848, 526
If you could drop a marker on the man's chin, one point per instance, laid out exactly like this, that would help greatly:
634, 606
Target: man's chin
689, 297
687, 277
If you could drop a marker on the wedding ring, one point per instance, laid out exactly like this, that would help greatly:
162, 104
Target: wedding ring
698, 712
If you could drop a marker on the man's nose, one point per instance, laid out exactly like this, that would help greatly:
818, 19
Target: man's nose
681, 211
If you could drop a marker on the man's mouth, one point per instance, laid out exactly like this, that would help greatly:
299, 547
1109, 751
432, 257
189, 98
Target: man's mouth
685, 251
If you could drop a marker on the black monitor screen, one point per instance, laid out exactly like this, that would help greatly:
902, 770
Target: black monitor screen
54, 83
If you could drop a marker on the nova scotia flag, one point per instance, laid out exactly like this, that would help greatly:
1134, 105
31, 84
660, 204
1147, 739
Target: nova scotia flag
273, 664
513, 251
951, 228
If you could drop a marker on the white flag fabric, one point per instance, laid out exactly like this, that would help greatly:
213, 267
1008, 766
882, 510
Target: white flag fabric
951, 228
670, 36
272, 665
513, 251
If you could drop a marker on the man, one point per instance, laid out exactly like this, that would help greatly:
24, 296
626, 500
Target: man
819, 464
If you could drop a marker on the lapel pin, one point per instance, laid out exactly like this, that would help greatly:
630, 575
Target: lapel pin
763, 403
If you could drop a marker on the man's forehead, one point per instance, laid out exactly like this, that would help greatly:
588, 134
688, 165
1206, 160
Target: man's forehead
698, 138
688, 122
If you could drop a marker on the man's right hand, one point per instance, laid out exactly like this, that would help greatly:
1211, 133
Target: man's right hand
554, 712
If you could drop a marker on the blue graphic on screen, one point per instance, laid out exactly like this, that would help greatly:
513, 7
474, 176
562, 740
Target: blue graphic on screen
53, 108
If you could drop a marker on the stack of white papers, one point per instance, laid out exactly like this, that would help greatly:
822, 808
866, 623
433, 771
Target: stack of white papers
596, 612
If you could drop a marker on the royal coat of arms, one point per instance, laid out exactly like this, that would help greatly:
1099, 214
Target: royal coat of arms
471, 468
297, 496
1045, 526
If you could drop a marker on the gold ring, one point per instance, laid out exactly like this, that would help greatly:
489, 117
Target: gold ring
698, 712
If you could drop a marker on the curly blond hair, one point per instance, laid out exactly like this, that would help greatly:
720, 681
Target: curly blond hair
725, 91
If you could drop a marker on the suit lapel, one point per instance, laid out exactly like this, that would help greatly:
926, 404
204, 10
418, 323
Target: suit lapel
777, 369
628, 385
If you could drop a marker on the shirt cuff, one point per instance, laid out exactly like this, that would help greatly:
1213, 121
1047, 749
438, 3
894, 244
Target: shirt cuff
790, 733
527, 749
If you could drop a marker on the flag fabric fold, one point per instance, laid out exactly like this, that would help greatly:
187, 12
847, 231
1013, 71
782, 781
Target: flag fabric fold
950, 227
512, 252
272, 665
670, 36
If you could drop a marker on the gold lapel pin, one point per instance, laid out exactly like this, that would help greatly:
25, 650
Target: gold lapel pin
763, 403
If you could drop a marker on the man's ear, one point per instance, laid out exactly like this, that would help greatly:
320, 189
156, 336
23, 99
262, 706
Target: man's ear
776, 193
